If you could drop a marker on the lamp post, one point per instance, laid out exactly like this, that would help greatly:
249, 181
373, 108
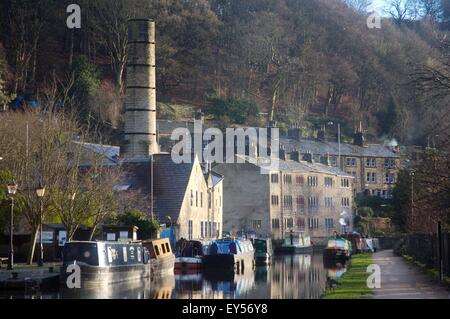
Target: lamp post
40, 192
412, 173
12, 189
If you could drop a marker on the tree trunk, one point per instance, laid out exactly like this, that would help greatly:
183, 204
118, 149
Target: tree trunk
71, 47
94, 228
33, 246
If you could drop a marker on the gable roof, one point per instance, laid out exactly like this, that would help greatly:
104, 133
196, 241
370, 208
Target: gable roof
169, 183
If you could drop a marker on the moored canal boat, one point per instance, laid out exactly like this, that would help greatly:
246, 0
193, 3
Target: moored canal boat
337, 247
295, 243
230, 254
162, 258
189, 257
104, 263
263, 251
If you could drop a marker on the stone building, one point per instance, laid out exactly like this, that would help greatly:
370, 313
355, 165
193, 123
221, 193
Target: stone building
299, 195
373, 166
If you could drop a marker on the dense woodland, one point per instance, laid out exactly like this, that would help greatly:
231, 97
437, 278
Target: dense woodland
301, 62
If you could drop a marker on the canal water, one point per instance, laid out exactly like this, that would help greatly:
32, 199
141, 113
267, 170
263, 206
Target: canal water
288, 277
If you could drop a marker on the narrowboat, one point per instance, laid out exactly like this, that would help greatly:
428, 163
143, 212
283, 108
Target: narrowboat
356, 240
263, 251
103, 263
337, 247
162, 258
230, 254
189, 257
296, 243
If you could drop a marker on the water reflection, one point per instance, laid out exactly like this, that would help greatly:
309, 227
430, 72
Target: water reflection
288, 277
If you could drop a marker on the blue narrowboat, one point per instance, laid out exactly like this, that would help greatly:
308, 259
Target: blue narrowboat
230, 254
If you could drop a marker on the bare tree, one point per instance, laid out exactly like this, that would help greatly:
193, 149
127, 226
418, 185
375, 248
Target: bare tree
359, 5
401, 10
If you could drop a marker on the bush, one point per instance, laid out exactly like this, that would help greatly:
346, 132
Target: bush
148, 229
233, 109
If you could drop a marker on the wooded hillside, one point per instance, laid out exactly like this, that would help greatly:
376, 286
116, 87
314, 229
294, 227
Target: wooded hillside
302, 62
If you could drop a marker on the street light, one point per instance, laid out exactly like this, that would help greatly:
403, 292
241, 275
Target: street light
412, 174
12, 190
40, 192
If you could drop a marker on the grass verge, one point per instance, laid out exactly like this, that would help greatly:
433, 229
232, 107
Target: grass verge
353, 284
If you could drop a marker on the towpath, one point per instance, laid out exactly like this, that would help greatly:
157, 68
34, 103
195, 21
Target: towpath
403, 280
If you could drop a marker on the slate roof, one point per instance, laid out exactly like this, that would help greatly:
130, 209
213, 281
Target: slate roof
169, 183
322, 148
110, 153
303, 166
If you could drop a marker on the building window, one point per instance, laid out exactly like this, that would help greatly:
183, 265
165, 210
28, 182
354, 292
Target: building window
196, 198
274, 178
345, 182
192, 197
301, 223
350, 161
329, 223
371, 162
201, 199
345, 202
190, 229
256, 224
201, 230
275, 200
328, 201
313, 202
371, 178
288, 201
289, 222
300, 202
328, 181
333, 160
313, 223
299, 180
275, 223
389, 178
313, 181
209, 200
287, 179
389, 163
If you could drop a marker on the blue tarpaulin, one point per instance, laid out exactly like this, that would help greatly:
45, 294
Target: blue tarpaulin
168, 232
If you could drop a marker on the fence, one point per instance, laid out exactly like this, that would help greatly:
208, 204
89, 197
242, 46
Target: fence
428, 249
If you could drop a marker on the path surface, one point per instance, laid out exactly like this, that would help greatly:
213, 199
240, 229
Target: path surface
403, 280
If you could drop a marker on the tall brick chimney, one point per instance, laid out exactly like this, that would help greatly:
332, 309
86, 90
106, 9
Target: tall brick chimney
140, 99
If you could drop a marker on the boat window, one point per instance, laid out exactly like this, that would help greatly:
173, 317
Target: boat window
168, 247
156, 250
110, 258
84, 252
139, 254
163, 248
125, 255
